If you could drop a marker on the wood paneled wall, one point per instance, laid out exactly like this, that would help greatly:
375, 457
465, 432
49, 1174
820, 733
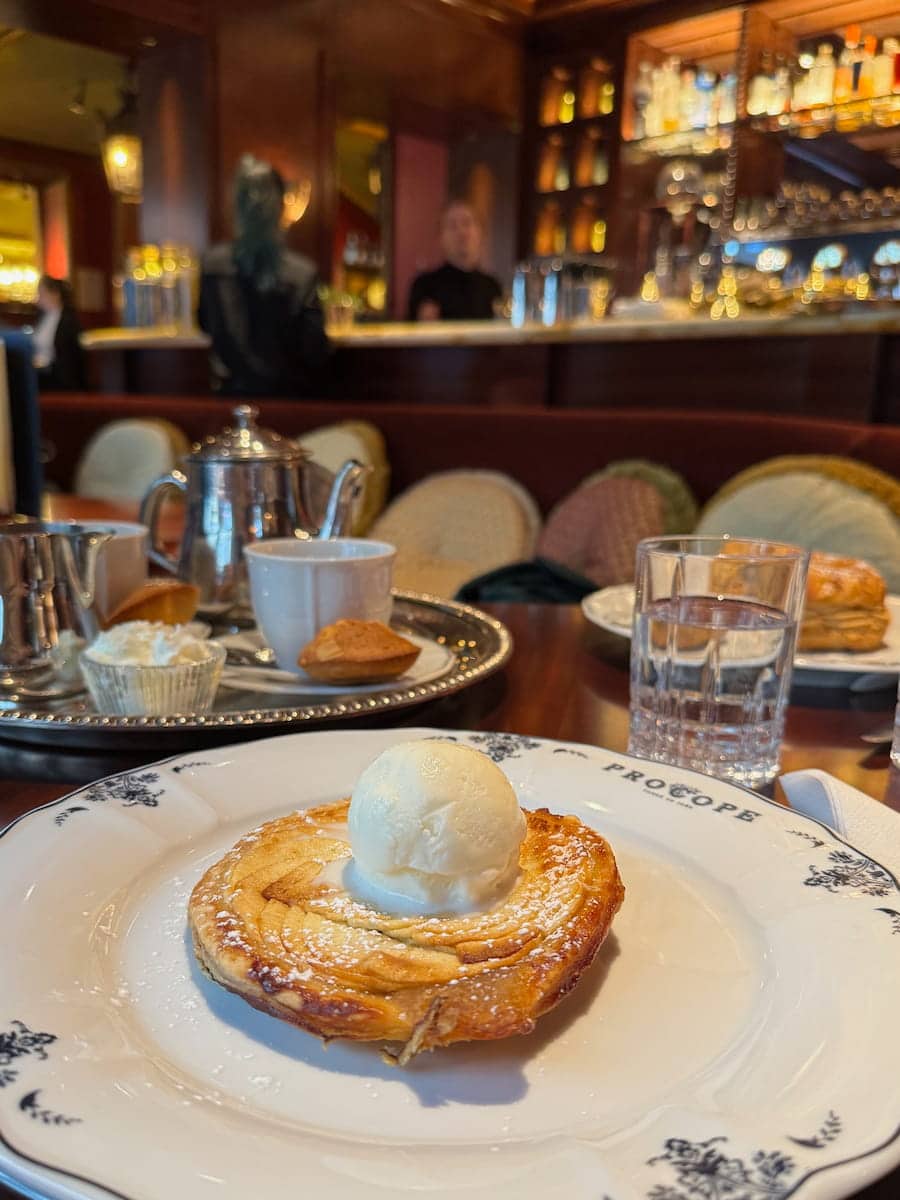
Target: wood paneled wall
286, 71
174, 111
226, 77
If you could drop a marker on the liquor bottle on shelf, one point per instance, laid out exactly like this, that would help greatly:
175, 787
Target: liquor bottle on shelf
567, 106
607, 97
591, 163
780, 91
760, 90
801, 90
865, 87
853, 40
582, 223
600, 172
547, 229
843, 77
822, 77
727, 99
555, 83
670, 89
168, 285
642, 96
883, 69
561, 175
704, 109
589, 92
687, 98
550, 153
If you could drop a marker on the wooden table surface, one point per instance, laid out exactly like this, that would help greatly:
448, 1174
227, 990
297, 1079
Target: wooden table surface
566, 680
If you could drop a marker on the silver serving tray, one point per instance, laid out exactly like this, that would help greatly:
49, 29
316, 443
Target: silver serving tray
480, 645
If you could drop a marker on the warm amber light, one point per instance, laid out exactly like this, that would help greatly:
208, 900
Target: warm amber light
649, 288
296, 202
123, 164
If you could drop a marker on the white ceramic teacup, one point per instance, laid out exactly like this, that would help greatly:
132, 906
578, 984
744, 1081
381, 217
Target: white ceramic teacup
121, 562
297, 586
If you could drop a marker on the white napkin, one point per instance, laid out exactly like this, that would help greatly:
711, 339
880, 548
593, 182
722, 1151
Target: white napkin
868, 825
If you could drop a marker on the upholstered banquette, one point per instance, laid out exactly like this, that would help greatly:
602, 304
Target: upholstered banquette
547, 451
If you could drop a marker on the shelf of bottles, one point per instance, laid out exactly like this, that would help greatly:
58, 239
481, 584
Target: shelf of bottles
159, 286
850, 82
679, 108
570, 94
362, 274
572, 165
808, 210
564, 164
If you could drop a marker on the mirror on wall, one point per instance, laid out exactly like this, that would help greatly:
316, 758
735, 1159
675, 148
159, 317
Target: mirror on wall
360, 246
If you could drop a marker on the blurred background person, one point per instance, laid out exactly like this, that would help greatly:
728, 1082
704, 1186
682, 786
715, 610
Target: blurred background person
57, 354
259, 301
456, 291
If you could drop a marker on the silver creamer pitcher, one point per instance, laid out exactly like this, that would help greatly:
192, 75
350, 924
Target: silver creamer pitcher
241, 486
47, 578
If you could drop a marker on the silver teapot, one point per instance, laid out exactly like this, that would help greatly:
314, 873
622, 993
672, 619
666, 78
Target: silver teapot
47, 575
241, 486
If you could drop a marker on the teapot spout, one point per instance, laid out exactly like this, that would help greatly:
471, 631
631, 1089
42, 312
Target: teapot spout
345, 489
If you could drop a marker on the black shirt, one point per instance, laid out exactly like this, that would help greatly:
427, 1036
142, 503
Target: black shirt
264, 342
460, 295
66, 372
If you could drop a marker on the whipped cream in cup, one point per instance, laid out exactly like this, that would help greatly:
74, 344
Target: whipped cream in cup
146, 668
435, 828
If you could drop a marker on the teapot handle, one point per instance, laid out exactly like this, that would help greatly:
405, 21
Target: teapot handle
150, 510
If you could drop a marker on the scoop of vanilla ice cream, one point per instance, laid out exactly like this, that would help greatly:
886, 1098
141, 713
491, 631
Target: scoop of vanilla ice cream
435, 827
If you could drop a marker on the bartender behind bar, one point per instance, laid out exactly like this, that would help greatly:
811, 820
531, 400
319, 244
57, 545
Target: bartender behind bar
456, 291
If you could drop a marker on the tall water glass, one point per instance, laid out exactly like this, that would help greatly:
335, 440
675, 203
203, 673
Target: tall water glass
715, 628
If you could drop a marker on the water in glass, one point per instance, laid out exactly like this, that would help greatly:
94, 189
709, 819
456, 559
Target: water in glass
709, 684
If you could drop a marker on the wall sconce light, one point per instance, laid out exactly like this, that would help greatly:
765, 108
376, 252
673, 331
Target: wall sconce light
122, 152
296, 201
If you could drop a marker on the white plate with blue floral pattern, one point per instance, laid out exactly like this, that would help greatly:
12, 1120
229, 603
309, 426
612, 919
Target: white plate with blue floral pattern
736, 1039
612, 608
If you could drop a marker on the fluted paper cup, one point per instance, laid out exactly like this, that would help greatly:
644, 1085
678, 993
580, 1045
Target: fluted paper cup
129, 690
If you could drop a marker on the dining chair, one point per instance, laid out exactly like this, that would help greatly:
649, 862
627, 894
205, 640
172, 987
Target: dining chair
124, 457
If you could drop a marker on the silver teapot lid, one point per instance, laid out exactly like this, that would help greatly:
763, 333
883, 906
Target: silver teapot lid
244, 441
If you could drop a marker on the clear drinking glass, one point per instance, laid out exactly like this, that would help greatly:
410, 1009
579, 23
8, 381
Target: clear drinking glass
715, 628
895, 744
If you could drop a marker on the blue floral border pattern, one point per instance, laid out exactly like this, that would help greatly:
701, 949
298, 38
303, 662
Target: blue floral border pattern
497, 746
828, 1131
815, 842
129, 789
894, 917
705, 1170
854, 871
21, 1042
501, 746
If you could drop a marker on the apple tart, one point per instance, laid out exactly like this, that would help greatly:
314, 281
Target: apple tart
274, 922
845, 607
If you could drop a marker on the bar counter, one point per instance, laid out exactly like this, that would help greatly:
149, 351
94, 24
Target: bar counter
843, 366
